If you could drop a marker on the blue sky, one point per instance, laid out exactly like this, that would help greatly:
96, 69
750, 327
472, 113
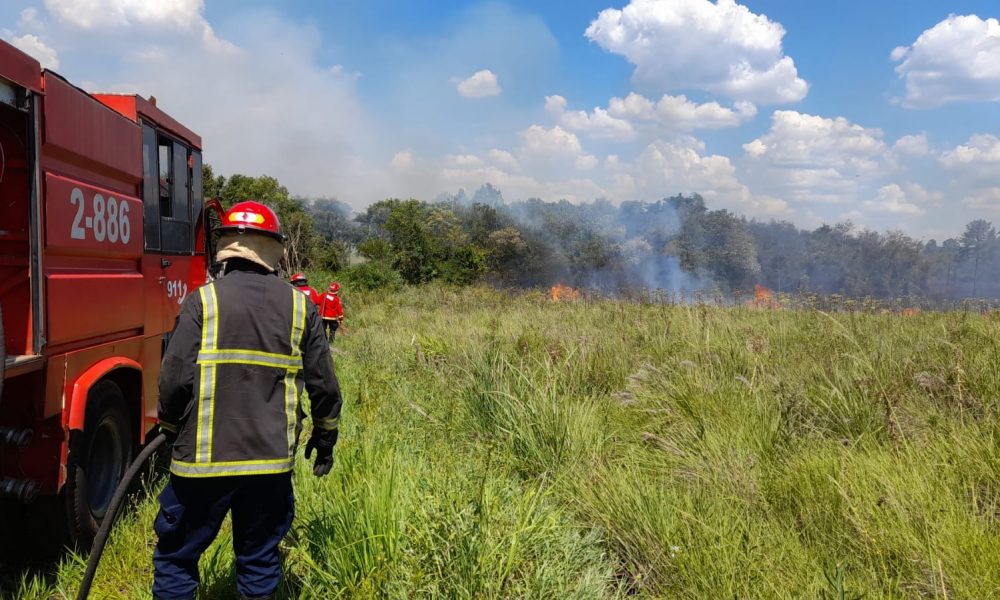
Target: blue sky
883, 112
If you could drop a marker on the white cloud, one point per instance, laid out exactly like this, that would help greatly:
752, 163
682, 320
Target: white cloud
155, 18
894, 199
463, 160
598, 124
504, 160
96, 14
402, 160
956, 60
671, 114
28, 20
987, 199
481, 84
677, 113
262, 103
912, 145
549, 148
586, 162
816, 159
33, 46
981, 150
721, 47
539, 142
666, 168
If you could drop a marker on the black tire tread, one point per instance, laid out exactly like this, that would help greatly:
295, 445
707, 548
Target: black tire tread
104, 397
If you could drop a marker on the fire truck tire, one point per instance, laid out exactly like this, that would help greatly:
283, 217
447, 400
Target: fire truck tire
99, 456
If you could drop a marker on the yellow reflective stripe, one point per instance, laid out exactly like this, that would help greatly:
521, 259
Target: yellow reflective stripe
275, 355
206, 384
239, 467
232, 463
168, 426
291, 391
244, 357
327, 424
259, 363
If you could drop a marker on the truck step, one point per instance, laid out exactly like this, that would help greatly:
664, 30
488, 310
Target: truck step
24, 363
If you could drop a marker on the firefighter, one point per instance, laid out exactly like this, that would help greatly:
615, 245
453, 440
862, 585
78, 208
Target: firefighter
332, 310
243, 349
302, 284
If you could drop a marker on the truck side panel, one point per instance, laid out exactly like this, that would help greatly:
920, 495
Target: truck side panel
97, 143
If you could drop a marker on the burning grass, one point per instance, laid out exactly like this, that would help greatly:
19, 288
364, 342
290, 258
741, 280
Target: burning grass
614, 449
561, 293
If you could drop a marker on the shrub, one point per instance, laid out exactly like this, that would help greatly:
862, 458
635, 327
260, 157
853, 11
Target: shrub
373, 275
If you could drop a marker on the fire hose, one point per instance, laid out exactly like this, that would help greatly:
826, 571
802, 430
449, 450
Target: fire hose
112, 514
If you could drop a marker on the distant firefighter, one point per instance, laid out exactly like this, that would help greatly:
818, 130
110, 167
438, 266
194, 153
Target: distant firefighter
331, 310
302, 284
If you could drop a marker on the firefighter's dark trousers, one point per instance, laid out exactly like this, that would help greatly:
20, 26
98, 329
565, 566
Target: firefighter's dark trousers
191, 512
331, 326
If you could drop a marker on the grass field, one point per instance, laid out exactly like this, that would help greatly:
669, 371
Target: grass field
500, 446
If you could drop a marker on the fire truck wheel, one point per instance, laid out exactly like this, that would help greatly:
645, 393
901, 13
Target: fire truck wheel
99, 456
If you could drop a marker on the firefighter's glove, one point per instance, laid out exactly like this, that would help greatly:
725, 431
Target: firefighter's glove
322, 442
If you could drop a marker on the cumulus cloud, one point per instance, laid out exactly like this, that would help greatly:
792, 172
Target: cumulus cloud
897, 200
682, 166
624, 116
96, 14
987, 199
481, 84
504, 160
463, 160
33, 46
550, 147
677, 113
721, 47
956, 60
402, 160
662, 168
598, 124
912, 145
263, 103
814, 159
981, 150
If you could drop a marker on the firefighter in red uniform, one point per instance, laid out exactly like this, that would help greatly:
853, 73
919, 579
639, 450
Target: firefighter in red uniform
332, 310
302, 284
243, 349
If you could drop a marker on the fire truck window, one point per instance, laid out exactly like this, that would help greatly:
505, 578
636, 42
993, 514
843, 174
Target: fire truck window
150, 189
176, 232
165, 178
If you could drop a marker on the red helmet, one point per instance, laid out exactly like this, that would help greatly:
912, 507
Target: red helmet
298, 278
334, 287
252, 216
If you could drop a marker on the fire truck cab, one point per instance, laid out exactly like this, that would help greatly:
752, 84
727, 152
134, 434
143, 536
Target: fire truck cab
102, 237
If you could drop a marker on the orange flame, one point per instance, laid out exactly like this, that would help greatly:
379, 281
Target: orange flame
910, 312
763, 298
563, 292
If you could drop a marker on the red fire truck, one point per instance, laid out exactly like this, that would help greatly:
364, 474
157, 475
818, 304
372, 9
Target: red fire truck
101, 239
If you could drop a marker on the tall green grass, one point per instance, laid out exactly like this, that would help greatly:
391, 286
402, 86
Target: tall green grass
505, 446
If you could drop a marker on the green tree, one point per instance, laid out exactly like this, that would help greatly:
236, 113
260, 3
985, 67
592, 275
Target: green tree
304, 246
977, 244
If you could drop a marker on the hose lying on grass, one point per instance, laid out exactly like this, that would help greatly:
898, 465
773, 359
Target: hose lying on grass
112, 514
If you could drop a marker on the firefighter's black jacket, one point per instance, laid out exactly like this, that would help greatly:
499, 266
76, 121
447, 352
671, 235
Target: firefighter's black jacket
242, 350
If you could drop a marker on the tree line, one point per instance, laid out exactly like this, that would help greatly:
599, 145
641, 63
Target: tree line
676, 244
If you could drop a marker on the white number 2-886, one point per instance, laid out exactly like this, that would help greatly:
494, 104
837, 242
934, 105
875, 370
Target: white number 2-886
109, 221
